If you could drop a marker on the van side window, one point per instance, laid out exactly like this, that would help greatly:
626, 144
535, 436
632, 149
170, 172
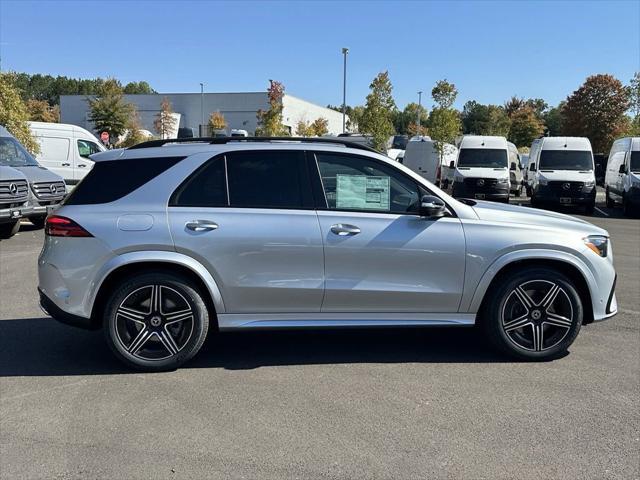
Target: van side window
86, 148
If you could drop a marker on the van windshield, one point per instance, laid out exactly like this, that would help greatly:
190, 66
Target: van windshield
634, 164
12, 154
566, 160
483, 157
399, 142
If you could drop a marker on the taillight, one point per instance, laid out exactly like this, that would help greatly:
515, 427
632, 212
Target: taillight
57, 226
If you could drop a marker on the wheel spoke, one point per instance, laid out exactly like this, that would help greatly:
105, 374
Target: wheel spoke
524, 297
143, 335
537, 337
516, 323
130, 314
169, 343
178, 316
558, 320
156, 303
550, 297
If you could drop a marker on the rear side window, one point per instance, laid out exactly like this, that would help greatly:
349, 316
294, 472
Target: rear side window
205, 188
111, 180
268, 179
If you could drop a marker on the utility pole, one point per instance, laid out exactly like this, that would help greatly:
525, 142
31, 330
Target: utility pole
419, 108
201, 109
345, 51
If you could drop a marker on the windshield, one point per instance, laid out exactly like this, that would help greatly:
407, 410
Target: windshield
12, 154
400, 142
566, 160
483, 157
634, 164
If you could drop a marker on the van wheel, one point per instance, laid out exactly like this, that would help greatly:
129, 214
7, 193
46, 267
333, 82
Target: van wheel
534, 314
38, 222
610, 202
626, 207
155, 322
590, 208
8, 230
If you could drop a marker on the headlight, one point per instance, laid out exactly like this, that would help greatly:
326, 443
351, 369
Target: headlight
598, 244
589, 185
503, 181
543, 181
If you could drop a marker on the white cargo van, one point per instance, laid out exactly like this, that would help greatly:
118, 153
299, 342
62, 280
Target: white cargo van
482, 169
65, 149
515, 170
622, 178
422, 157
562, 173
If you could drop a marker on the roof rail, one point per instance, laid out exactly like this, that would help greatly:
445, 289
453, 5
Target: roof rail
225, 140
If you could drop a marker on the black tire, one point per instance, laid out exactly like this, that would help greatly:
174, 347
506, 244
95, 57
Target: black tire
528, 190
504, 308
534, 201
519, 191
157, 341
626, 207
610, 202
590, 208
8, 230
38, 222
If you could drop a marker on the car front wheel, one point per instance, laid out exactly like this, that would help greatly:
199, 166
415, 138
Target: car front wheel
156, 322
534, 314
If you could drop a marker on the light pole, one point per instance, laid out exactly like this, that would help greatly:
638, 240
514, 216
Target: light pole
201, 109
345, 51
419, 108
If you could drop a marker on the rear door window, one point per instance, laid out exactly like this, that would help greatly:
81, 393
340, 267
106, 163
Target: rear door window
207, 187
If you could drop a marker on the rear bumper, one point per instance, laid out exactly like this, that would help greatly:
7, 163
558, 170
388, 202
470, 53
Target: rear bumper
61, 316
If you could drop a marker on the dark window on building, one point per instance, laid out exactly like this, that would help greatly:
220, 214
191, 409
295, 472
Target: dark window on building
268, 179
111, 180
205, 188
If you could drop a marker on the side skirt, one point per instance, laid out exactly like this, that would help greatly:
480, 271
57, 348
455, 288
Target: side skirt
233, 321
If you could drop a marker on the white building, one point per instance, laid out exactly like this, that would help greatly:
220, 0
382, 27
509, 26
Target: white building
239, 110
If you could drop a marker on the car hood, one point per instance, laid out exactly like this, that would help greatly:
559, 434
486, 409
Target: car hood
10, 173
482, 172
568, 175
516, 214
39, 174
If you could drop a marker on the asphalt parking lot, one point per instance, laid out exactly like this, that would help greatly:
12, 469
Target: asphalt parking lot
343, 404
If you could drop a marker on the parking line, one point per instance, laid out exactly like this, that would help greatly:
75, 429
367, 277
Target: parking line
605, 214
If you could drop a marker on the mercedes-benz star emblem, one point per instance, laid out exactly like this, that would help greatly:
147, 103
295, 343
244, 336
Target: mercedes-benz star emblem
480, 182
53, 189
13, 189
566, 186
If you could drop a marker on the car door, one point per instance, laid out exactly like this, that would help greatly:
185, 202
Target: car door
380, 255
248, 217
55, 156
81, 163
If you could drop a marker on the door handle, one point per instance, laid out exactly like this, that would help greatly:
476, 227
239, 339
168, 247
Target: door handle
66, 164
201, 225
343, 229
82, 165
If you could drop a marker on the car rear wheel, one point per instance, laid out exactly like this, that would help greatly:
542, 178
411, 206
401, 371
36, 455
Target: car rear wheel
156, 322
534, 314
8, 230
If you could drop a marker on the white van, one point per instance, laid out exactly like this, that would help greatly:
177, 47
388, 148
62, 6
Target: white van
622, 178
482, 169
515, 170
422, 157
65, 149
561, 172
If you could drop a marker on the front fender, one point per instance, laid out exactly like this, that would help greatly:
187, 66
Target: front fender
156, 257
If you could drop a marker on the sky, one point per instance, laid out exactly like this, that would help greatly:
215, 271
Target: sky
489, 50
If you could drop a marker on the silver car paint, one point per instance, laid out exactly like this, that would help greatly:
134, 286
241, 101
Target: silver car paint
492, 237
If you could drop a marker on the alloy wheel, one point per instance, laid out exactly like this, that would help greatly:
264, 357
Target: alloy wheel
537, 315
154, 322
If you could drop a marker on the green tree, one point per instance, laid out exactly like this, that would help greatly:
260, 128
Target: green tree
444, 94
165, 123
217, 121
597, 111
514, 104
133, 134
525, 126
478, 119
270, 121
138, 88
303, 128
553, 120
444, 122
377, 117
14, 113
422, 130
41, 111
409, 116
320, 126
108, 111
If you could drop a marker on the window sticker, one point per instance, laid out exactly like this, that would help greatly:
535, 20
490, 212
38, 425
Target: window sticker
362, 192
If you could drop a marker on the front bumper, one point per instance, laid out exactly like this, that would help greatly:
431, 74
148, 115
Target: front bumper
14, 213
550, 195
462, 190
41, 208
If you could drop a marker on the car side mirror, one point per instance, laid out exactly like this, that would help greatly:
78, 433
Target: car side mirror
452, 164
623, 168
432, 207
532, 168
513, 166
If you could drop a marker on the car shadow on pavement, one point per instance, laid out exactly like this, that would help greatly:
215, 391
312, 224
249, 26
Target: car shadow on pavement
43, 347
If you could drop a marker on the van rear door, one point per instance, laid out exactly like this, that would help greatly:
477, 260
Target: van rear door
55, 155
82, 149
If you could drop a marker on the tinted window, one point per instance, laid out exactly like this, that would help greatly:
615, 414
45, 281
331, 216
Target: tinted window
357, 183
111, 180
566, 160
482, 157
634, 163
13, 154
268, 179
205, 188
86, 148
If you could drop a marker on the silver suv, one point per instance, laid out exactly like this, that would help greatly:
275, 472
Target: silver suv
164, 240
